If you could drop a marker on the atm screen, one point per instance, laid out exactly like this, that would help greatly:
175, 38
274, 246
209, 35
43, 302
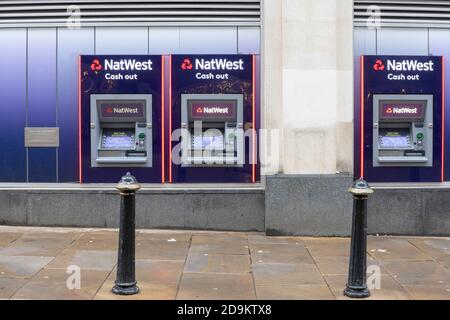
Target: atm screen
208, 142
395, 139
118, 139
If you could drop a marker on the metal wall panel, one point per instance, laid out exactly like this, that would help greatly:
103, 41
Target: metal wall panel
132, 40
42, 100
249, 41
211, 40
364, 41
164, 40
71, 43
13, 64
392, 41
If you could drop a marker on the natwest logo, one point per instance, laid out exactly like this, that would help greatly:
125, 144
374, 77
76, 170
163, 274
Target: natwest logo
378, 66
121, 110
219, 64
403, 110
96, 65
409, 65
128, 64
215, 110
186, 65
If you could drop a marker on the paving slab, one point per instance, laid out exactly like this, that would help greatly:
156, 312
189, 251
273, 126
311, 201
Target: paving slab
287, 274
262, 239
290, 292
36, 246
220, 244
388, 249
418, 272
101, 260
166, 236
155, 271
339, 265
217, 263
9, 286
196, 286
331, 247
426, 292
52, 284
148, 291
7, 237
161, 250
389, 288
21, 266
280, 253
98, 241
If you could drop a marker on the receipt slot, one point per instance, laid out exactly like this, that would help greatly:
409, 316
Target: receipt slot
212, 129
121, 130
403, 130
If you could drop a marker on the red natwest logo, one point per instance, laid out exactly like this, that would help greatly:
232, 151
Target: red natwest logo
109, 110
378, 66
389, 110
96, 65
199, 110
186, 65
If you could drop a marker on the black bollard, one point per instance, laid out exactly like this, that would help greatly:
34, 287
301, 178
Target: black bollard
357, 282
125, 280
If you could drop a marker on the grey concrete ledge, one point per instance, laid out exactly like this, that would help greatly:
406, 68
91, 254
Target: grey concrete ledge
308, 205
224, 209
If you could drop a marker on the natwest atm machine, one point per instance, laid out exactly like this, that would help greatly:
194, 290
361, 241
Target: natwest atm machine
214, 118
212, 130
120, 124
121, 130
400, 119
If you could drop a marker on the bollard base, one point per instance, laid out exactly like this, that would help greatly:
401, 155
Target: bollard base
356, 292
125, 290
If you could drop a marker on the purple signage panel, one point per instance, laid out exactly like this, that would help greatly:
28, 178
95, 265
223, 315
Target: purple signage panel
214, 74
118, 74
398, 75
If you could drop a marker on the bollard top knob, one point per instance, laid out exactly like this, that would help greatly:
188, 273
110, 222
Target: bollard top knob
128, 183
360, 188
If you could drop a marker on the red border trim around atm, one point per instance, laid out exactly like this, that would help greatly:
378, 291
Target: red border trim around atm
253, 119
170, 119
361, 116
162, 121
443, 121
80, 165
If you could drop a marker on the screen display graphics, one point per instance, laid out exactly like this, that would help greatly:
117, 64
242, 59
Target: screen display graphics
213, 110
394, 139
122, 109
207, 142
402, 110
117, 139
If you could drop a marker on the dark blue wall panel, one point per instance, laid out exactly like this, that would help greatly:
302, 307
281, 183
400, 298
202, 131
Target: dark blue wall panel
12, 105
71, 43
42, 100
439, 45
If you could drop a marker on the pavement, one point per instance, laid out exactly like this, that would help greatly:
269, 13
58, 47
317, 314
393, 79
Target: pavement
62, 263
